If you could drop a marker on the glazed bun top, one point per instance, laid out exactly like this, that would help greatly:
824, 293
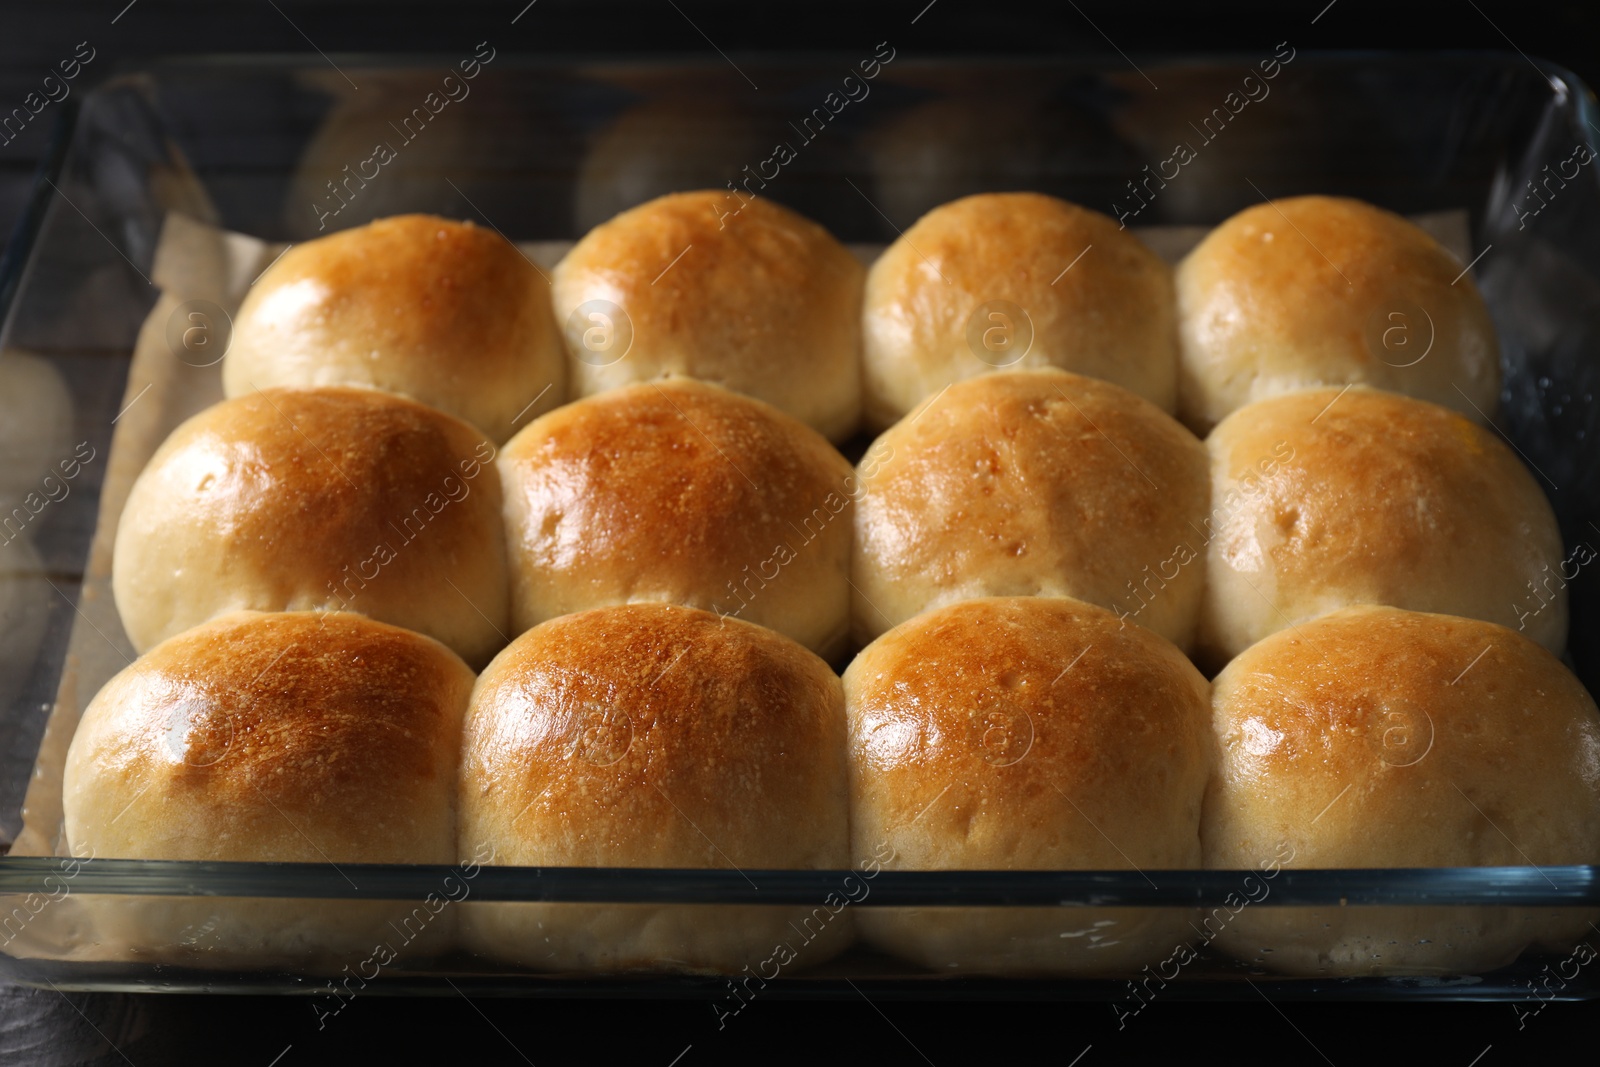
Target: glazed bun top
616, 736
299, 499
1376, 737
441, 311
1028, 483
715, 286
1003, 732
1326, 498
286, 736
1070, 289
1321, 290
686, 492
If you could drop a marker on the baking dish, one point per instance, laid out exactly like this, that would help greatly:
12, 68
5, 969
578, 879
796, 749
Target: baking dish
543, 150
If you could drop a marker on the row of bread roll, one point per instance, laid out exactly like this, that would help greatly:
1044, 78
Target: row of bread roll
1306, 291
1022, 733
454, 316
642, 735
737, 290
1047, 483
1026, 483
339, 498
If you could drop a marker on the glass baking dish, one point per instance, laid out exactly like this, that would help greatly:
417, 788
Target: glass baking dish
543, 150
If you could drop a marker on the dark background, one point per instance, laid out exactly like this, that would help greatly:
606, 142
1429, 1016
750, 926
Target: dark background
47, 1027
34, 36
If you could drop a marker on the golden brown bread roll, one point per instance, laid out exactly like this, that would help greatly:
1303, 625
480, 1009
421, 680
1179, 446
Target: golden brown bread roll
1322, 500
440, 311
1321, 290
652, 735
684, 492
1024, 733
1015, 280
1375, 737
305, 499
303, 737
1032, 483
726, 289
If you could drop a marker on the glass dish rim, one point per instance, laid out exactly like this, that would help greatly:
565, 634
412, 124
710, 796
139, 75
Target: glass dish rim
1521, 886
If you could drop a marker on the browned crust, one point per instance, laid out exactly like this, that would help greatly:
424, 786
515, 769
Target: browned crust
1373, 497
318, 476
656, 735
281, 736
1027, 482
444, 311
677, 483
1002, 732
1296, 292
1099, 302
1376, 737
335, 497
741, 292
